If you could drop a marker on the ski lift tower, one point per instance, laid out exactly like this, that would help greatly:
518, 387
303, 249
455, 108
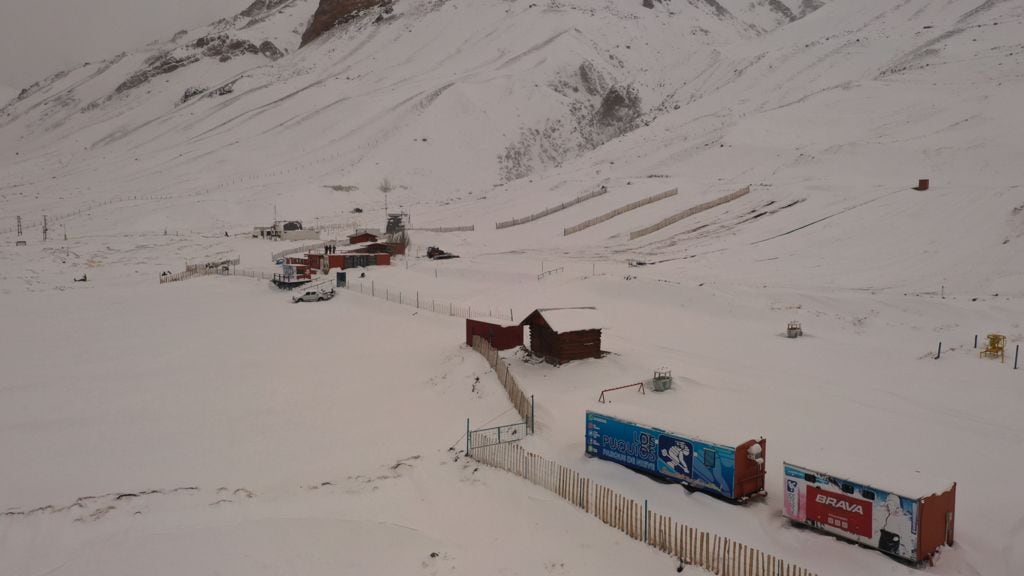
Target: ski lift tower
397, 222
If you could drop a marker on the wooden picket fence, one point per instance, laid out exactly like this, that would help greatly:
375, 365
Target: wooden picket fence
520, 401
255, 274
619, 211
689, 212
551, 210
186, 275
197, 271
213, 264
718, 555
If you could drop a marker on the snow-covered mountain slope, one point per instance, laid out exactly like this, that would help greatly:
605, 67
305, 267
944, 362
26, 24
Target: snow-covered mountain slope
496, 93
482, 112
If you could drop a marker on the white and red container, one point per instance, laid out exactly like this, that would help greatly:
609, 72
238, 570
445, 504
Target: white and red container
910, 522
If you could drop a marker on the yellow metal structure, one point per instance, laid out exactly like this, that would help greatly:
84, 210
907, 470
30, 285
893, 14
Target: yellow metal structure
996, 347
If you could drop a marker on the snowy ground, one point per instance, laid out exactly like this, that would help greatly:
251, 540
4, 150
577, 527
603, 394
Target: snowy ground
212, 426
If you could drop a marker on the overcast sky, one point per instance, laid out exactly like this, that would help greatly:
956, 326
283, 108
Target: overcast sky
40, 37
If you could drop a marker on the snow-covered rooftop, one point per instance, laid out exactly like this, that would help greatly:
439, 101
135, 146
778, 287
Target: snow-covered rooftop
563, 320
903, 480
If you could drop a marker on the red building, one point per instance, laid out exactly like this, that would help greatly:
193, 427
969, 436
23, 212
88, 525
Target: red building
361, 237
500, 336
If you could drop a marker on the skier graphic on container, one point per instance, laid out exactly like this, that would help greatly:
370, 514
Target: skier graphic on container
675, 457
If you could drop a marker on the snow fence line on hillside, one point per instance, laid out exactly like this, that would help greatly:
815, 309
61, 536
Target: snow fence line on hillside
619, 211
714, 553
443, 229
414, 299
52, 218
551, 210
689, 212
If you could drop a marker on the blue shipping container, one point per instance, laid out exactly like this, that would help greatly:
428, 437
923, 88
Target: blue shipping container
695, 463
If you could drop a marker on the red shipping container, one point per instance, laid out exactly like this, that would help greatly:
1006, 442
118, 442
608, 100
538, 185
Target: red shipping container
501, 337
335, 260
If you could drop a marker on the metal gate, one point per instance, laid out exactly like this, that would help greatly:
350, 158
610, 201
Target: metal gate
495, 435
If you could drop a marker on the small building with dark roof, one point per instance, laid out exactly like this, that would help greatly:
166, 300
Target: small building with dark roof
361, 237
561, 335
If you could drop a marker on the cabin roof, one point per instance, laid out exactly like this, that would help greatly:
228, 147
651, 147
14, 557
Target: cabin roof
562, 320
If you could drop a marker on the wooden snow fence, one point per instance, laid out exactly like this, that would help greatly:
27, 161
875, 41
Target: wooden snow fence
197, 271
619, 211
255, 274
213, 264
718, 555
689, 212
520, 401
186, 275
551, 210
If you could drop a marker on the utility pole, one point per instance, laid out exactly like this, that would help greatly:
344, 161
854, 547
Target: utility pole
46, 228
19, 226
65, 229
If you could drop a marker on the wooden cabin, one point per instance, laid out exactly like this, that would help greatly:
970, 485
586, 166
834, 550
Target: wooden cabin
561, 335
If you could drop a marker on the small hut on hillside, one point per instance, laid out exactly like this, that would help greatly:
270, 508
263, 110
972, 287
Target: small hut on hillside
561, 335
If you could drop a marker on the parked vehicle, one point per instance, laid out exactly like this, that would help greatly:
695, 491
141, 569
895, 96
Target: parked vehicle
911, 521
314, 296
734, 471
435, 253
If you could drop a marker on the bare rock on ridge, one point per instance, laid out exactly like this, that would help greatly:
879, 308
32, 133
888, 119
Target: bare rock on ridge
331, 13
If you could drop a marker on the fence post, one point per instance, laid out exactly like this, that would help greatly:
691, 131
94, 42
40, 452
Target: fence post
939, 354
372, 289
1015, 356
532, 416
645, 520
467, 436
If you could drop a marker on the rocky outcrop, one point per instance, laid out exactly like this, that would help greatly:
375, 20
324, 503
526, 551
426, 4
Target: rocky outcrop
620, 108
163, 63
599, 110
191, 93
220, 46
331, 13
271, 51
224, 47
260, 6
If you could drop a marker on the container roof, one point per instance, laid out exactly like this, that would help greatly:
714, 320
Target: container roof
563, 320
903, 480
